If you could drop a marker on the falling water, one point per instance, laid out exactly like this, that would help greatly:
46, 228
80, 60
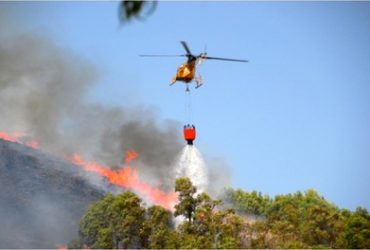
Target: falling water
191, 164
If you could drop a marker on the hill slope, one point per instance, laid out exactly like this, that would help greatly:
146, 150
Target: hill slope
42, 198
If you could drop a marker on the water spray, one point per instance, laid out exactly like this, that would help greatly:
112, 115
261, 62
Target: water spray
191, 164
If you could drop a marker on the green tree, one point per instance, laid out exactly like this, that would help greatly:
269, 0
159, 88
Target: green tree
206, 225
283, 220
357, 231
187, 202
305, 220
186, 207
259, 236
158, 230
94, 220
113, 222
247, 202
231, 229
287, 221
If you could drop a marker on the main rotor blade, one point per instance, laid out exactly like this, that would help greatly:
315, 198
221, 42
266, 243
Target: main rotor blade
223, 59
162, 55
186, 47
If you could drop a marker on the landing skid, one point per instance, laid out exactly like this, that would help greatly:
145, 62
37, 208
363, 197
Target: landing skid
199, 81
173, 81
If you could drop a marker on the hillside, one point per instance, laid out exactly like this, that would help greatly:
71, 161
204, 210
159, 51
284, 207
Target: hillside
42, 198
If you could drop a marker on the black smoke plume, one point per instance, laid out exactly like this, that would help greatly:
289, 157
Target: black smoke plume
44, 91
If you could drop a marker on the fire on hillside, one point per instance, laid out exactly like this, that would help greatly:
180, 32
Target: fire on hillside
124, 177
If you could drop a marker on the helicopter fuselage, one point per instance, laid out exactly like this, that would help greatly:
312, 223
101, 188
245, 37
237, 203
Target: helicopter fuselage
186, 72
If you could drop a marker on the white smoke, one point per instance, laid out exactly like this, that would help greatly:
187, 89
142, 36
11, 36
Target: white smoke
192, 165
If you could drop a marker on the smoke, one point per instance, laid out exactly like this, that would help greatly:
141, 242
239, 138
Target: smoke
42, 198
44, 94
44, 91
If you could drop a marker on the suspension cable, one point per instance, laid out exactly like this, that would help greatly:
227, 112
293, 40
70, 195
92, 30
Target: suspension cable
188, 110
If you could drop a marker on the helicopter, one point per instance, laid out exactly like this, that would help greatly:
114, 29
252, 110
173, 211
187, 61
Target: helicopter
186, 72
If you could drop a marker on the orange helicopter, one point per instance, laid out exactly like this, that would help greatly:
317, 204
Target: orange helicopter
186, 72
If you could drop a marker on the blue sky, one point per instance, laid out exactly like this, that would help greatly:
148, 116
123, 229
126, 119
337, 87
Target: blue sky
296, 117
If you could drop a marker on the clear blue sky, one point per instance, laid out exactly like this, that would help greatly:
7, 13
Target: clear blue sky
296, 117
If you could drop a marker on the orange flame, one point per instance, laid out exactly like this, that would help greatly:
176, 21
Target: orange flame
8, 137
130, 155
127, 177
62, 247
33, 144
20, 138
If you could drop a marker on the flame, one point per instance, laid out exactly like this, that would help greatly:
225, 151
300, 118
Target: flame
62, 247
33, 144
130, 155
20, 138
127, 177
9, 137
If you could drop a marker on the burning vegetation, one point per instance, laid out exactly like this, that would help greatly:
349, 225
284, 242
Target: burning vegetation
124, 177
128, 178
19, 138
242, 220
43, 89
